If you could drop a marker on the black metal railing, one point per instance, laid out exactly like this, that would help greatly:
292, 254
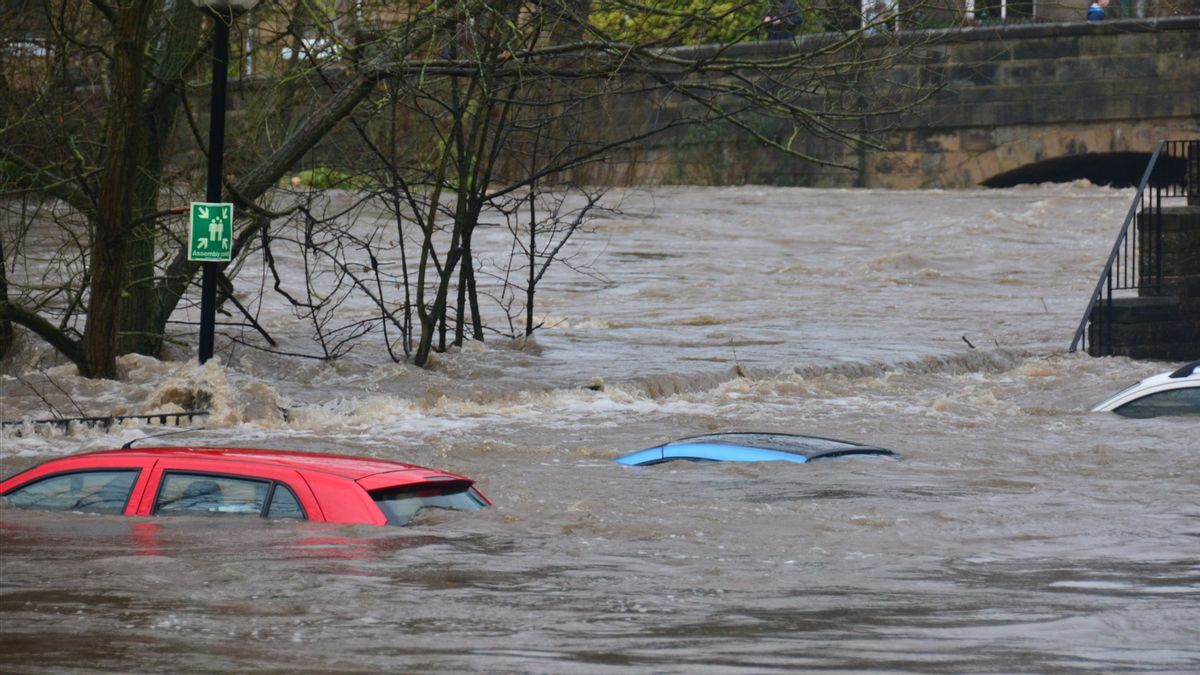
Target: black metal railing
105, 422
1135, 263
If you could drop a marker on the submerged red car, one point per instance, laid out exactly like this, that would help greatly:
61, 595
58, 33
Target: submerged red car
234, 481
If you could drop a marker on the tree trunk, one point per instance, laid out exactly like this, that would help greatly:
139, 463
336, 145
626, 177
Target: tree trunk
139, 328
125, 140
438, 311
468, 296
142, 325
531, 286
473, 299
461, 308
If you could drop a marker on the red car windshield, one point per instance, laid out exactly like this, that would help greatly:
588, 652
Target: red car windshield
401, 505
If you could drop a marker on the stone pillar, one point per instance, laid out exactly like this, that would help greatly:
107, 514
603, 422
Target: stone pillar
1162, 326
1181, 255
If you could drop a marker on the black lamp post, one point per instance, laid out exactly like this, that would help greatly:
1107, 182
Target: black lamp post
222, 12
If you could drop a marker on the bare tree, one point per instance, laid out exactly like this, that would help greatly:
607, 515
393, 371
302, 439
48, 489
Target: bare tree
510, 102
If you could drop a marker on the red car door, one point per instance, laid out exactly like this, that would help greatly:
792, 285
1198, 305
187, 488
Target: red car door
215, 470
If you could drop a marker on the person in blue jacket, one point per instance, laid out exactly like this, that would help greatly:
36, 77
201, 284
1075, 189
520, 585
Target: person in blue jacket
1096, 11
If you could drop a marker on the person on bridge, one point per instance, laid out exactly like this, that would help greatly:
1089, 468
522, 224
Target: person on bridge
1096, 11
783, 19
879, 18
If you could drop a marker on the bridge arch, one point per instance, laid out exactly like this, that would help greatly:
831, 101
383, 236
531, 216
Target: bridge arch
1114, 153
1118, 169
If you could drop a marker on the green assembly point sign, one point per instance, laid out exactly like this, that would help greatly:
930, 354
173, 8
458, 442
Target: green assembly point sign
210, 232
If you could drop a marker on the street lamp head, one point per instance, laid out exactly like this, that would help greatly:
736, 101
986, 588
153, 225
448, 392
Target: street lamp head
226, 6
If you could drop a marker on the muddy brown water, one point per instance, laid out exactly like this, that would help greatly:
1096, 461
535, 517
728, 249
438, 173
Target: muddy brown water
1019, 533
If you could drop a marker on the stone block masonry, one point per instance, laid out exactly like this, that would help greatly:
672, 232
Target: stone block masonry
1010, 97
1161, 323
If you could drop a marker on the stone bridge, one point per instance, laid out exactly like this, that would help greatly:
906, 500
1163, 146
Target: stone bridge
1021, 103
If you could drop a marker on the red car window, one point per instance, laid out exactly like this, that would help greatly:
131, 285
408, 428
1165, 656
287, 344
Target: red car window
185, 493
284, 504
87, 491
401, 505
201, 494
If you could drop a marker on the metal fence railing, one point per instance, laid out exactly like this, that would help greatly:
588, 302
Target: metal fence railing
1135, 264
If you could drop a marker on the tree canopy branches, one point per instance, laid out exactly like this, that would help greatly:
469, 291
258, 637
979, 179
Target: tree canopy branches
459, 111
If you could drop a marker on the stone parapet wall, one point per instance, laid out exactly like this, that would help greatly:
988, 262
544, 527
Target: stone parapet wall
1047, 92
1010, 96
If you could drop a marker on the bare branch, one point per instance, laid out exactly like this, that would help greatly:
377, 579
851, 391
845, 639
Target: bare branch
56, 338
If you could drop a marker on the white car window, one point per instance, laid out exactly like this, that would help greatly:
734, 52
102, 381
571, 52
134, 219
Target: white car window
1171, 402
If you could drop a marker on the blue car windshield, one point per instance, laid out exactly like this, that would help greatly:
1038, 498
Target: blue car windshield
401, 505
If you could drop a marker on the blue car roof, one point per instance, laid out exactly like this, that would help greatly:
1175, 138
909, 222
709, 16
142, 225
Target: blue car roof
751, 447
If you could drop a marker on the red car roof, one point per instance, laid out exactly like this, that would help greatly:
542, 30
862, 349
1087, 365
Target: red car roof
353, 468
330, 488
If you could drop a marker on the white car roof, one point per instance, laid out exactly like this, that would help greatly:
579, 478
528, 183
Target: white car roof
1182, 378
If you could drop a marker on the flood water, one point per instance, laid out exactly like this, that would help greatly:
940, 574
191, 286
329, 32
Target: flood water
1019, 533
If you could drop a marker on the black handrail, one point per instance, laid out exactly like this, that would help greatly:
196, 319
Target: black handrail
1139, 243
